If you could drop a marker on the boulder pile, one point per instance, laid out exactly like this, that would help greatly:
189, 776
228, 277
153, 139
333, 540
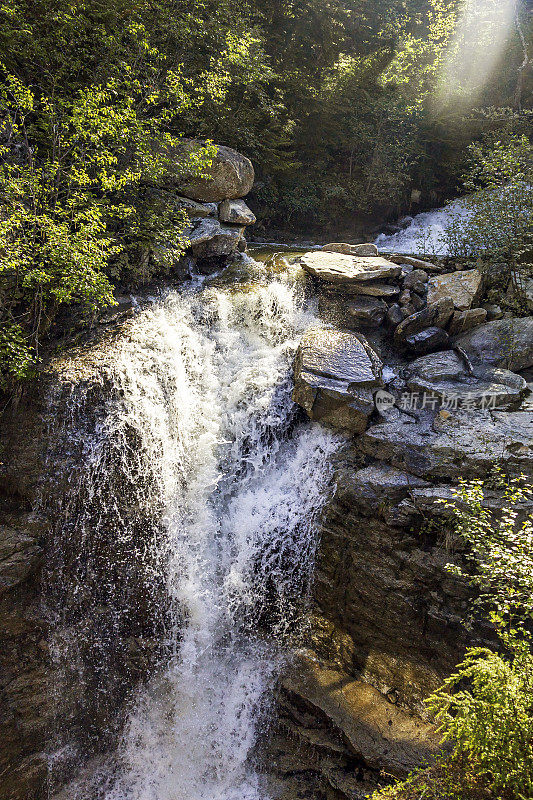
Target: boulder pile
217, 213
422, 327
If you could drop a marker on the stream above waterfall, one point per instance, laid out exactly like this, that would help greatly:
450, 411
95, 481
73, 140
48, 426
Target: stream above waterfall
204, 435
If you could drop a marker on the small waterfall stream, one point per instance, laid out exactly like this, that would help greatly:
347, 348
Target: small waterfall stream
228, 480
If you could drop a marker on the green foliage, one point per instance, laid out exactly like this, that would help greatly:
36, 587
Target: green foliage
486, 707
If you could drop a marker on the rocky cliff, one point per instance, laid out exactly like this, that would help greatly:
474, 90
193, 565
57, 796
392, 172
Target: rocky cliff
387, 613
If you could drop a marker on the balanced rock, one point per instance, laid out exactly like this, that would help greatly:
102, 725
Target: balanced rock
462, 287
463, 321
503, 343
195, 210
434, 315
236, 212
351, 249
345, 269
335, 376
229, 176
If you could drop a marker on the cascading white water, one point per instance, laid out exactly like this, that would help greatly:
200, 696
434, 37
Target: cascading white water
425, 234
202, 388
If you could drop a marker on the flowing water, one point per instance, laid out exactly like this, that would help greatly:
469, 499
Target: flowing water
231, 480
425, 234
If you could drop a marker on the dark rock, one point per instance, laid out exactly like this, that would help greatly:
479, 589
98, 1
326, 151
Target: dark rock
427, 341
405, 297
504, 343
434, 315
417, 302
463, 321
395, 315
415, 277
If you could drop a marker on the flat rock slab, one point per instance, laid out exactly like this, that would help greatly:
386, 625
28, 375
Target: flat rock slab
351, 249
462, 287
465, 443
443, 375
503, 343
335, 375
347, 269
384, 736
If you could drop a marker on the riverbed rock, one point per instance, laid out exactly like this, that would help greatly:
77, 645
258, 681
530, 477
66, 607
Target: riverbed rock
236, 212
416, 263
414, 278
427, 341
434, 315
465, 442
351, 249
230, 175
210, 238
335, 376
345, 269
444, 376
463, 321
462, 287
504, 343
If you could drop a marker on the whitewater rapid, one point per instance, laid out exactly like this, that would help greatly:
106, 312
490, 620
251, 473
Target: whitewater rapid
426, 232
234, 480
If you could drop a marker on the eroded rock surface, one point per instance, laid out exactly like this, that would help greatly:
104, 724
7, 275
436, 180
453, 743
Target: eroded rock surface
346, 269
335, 376
503, 343
462, 287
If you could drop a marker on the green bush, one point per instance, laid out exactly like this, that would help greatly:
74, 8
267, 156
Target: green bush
485, 709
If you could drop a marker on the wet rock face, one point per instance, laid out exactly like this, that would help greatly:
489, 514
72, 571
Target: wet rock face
504, 343
335, 376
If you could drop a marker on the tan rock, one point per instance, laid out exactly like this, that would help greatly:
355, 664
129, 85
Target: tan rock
236, 212
462, 287
345, 269
351, 249
463, 321
383, 735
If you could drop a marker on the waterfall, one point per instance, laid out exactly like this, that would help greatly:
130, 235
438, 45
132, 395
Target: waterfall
228, 480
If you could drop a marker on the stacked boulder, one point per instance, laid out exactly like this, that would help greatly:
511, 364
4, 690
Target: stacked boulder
217, 213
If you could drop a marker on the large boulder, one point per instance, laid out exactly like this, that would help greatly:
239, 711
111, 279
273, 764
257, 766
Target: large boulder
346, 269
230, 175
444, 376
335, 376
462, 287
210, 238
236, 212
385, 737
465, 443
502, 343
351, 249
